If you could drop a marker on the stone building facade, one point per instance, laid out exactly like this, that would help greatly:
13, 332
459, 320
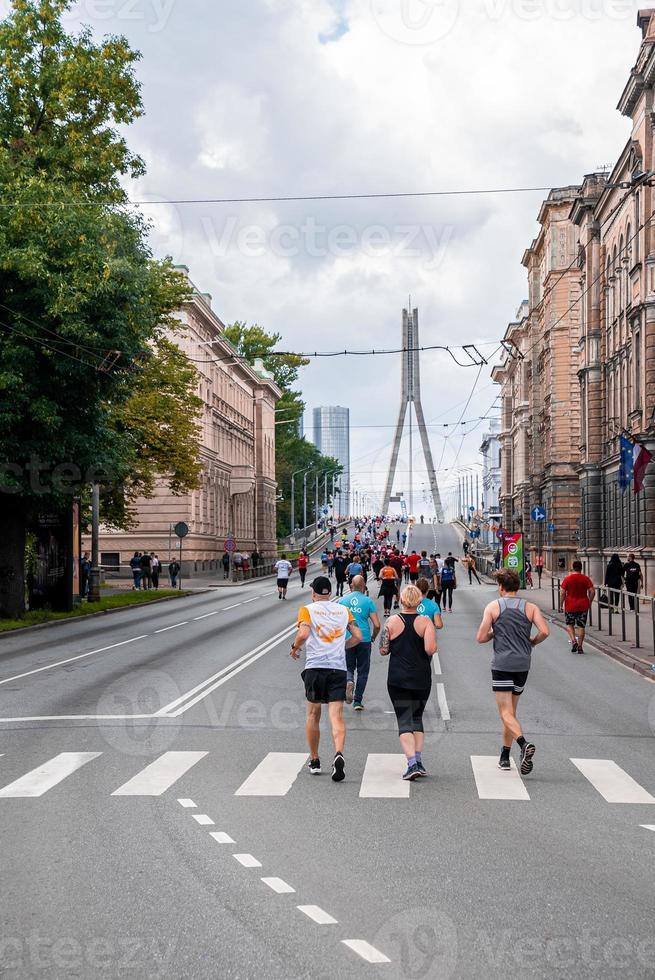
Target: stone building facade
238, 491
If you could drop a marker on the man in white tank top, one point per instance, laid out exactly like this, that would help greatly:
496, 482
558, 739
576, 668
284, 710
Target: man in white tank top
508, 622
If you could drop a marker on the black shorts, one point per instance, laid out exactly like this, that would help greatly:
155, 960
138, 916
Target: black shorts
509, 680
282, 583
578, 619
324, 686
409, 705
413, 576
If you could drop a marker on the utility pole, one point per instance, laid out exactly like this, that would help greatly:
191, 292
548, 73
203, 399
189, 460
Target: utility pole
94, 577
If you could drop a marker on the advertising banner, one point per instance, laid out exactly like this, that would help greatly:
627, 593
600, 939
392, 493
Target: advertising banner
513, 555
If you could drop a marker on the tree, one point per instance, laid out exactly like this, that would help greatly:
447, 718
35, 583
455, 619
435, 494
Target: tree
292, 453
88, 374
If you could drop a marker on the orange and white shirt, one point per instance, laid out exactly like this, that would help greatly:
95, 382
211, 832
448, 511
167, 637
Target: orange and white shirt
326, 645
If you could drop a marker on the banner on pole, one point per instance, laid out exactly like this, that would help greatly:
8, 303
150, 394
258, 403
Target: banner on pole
513, 555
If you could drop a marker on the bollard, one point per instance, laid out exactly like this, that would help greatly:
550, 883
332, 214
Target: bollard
600, 614
623, 616
637, 638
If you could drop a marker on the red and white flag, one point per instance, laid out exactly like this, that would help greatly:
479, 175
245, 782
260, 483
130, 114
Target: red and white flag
642, 458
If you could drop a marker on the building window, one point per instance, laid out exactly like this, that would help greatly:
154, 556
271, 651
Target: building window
637, 369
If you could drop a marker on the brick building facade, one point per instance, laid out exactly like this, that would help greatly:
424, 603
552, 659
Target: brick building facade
238, 490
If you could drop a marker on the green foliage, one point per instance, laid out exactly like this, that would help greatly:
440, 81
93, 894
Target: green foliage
292, 453
89, 379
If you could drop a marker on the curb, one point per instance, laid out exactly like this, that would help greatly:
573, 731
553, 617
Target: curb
622, 657
103, 612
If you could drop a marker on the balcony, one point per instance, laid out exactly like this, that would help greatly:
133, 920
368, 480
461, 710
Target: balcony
242, 480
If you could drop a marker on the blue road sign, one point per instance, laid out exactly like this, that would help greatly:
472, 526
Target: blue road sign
471, 510
551, 527
539, 514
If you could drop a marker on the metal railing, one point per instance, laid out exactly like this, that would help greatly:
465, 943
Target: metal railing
613, 603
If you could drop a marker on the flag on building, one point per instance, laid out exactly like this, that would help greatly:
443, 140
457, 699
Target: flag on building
642, 457
627, 463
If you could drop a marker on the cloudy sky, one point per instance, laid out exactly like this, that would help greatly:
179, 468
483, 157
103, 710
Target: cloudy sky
263, 98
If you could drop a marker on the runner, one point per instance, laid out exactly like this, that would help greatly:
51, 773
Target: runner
303, 562
469, 564
340, 565
389, 586
330, 564
508, 621
424, 565
429, 606
410, 641
354, 569
284, 569
578, 593
322, 628
358, 659
412, 564
448, 585
527, 568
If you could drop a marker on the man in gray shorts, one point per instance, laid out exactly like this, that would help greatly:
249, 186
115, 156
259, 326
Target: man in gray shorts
508, 621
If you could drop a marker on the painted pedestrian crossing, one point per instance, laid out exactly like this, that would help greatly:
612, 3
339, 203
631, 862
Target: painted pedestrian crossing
278, 774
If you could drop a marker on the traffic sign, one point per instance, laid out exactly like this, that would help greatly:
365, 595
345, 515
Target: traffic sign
539, 514
471, 509
230, 545
501, 533
551, 527
181, 529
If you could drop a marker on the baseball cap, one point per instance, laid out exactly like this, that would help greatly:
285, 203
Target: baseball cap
322, 586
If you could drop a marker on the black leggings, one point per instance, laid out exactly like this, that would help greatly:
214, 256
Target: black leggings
447, 593
409, 705
388, 600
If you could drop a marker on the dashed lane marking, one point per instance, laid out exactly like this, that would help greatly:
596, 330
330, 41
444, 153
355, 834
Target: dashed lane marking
437, 665
203, 819
366, 951
279, 886
187, 804
206, 616
221, 838
235, 606
247, 860
443, 703
173, 627
70, 660
317, 914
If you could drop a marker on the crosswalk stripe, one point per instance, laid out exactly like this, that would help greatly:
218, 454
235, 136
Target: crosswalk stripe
274, 776
366, 951
613, 783
496, 784
156, 778
382, 778
39, 781
648, 826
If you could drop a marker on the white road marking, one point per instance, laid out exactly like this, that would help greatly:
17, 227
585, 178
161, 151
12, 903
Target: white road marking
202, 690
382, 778
648, 826
443, 704
366, 951
174, 627
247, 860
160, 775
612, 782
317, 914
206, 616
227, 608
187, 804
70, 660
221, 838
39, 781
272, 592
279, 886
275, 775
203, 819
497, 784
246, 601
76, 718
437, 665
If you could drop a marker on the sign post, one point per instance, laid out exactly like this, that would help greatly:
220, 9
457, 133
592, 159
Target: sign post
539, 516
513, 557
181, 529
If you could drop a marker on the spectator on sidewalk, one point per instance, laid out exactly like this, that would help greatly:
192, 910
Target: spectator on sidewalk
135, 565
225, 561
146, 569
578, 593
237, 564
539, 565
614, 581
155, 566
173, 571
85, 573
634, 579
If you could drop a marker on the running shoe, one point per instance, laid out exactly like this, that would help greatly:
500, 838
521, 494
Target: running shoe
350, 687
411, 774
315, 767
574, 648
421, 770
358, 706
527, 752
338, 768
504, 763
580, 650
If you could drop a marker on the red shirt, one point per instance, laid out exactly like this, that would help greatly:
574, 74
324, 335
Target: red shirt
412, 561
576, 586
303, 561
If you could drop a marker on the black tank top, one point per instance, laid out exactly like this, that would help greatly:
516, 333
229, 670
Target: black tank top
409, 664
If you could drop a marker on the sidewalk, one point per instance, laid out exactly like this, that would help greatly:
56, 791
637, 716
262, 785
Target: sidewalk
641, 659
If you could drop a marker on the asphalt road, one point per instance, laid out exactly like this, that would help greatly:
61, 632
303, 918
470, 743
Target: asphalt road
106, 725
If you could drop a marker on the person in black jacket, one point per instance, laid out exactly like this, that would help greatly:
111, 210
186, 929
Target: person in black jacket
614, 581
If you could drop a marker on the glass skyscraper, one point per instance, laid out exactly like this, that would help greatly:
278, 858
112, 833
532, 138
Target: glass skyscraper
332, 438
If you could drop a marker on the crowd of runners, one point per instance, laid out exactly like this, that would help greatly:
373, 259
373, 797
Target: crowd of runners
337, 630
